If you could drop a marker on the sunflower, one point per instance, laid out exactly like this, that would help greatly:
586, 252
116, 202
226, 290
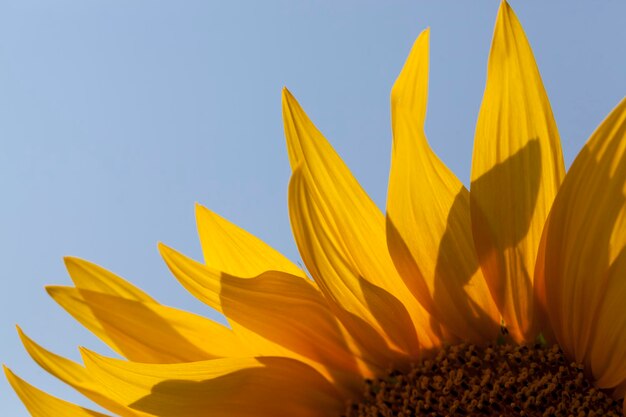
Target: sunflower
506, 299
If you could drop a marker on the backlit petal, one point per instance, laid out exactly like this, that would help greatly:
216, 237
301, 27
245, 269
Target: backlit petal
517, 168
376, 319
428, 219
219, 387
349, 219
606, 335
147, 331
274, 313
76, 376
582, 263
228, 248
89, 276
40, 404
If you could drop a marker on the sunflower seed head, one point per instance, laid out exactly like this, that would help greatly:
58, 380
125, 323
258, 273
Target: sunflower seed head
499, 380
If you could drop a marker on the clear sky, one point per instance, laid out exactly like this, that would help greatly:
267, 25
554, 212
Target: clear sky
116, 116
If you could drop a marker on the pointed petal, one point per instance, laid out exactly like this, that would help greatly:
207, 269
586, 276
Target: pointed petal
75, 376
205, 284
89, 276
42, 404
219, 387
351, 219
377, 319
428, 219
276, 314
202, 281
146, 331
230, 249
347, 207
516, 171
582, 263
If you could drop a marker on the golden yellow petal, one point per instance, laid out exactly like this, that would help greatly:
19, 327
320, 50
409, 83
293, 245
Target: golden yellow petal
40, 404
146, 331
517, 168
228, 248
581, 267
274, 314
75, 376
89, 276
349, 210
293, 314
219, 387
352, 222
606, 334
428, 219
200, 280
376, 319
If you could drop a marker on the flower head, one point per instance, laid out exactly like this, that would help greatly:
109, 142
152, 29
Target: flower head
455, 300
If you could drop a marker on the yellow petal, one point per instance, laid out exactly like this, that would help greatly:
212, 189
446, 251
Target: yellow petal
41, 404
146, 331
428, 219
350, 210
200, 280
75, 376
89, 276
376, 319
605, 336
516, 171
230, 249
351, 220
219, 387
582, 261
275, 314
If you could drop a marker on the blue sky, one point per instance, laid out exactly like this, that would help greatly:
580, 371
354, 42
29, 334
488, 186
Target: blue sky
115, 117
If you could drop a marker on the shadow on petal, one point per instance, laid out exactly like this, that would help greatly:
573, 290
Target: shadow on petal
280, 387
499, 226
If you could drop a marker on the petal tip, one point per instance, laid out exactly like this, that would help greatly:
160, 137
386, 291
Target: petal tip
505, 12
9, 374
166, 252
69, 260
86, 354
162, 247
53, 290
287, 97
20, 332
28, 343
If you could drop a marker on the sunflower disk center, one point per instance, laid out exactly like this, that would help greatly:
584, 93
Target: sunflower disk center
503, 380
